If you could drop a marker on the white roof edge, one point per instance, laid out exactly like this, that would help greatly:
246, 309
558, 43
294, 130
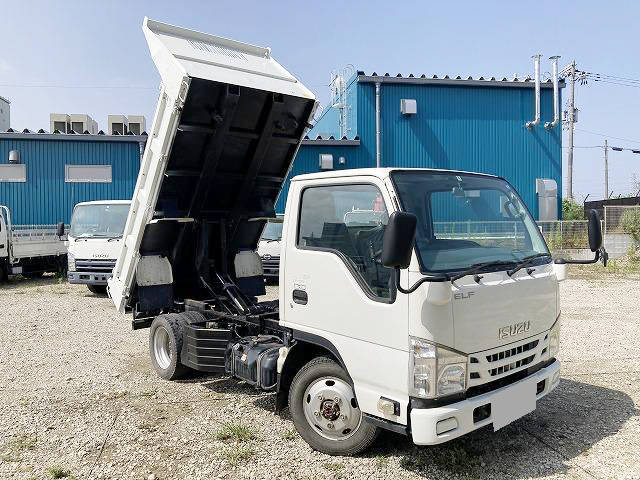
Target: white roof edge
104, 202
377, 172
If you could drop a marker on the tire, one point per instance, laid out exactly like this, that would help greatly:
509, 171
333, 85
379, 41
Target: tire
33, 275
165, 346
4, 269
98, 289
334, 429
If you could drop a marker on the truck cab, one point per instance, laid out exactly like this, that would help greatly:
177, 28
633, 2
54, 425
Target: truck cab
94, 242
420, 301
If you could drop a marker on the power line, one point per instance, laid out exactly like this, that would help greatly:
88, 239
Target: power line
131, 87
608, 136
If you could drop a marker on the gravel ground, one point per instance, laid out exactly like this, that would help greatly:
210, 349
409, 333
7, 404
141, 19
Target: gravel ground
78, 397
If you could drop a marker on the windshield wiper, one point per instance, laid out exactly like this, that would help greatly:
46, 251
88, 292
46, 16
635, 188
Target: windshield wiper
526, 261
479, 267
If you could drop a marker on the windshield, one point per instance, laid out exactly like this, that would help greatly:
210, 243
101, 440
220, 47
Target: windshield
272, 231
466, 219
102, 220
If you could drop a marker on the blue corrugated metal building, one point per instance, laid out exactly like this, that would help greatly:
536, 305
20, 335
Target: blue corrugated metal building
56, 171
461, 123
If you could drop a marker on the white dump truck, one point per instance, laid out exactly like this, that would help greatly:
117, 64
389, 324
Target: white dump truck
30, 250
420, 301
95, 239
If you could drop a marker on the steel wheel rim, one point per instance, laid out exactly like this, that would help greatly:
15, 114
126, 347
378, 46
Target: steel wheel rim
331, 419
161, 347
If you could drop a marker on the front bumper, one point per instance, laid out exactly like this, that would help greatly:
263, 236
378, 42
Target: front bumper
88, 278
424, 422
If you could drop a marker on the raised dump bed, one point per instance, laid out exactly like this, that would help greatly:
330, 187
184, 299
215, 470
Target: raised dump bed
227, 127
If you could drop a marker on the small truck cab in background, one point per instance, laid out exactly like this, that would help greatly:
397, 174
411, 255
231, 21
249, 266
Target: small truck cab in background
421, 301
269, 249
95, 239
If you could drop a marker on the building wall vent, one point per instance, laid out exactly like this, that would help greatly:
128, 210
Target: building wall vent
408, 106
326, 161
14, 156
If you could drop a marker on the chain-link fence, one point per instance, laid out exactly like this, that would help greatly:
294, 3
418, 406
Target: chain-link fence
565, 234
621, 229
622, 219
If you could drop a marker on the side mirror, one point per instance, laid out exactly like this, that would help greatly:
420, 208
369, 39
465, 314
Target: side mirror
397, 243
595, 231
595, 244
60, 229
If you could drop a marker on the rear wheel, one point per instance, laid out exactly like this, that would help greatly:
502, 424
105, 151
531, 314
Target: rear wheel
325, 411
98, 289
165, 346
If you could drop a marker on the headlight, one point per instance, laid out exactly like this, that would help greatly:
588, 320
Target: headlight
554, 339
71, 262
435, 371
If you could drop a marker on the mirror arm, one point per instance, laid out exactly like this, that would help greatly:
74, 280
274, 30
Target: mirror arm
415, 286
600, 254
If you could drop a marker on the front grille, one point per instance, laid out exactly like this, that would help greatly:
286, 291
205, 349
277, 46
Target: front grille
499, 362
95, 265
271, 265
511, 366
512, 351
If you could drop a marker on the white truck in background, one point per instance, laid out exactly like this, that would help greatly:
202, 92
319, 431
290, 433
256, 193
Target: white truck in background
30, 250
388, 316
95, 239
269, 249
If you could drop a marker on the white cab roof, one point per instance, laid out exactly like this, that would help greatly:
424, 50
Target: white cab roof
374, 172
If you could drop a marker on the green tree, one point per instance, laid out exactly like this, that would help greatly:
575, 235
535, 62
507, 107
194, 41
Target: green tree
572, 210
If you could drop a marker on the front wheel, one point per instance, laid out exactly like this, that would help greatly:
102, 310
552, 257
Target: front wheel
325, 411
98, 289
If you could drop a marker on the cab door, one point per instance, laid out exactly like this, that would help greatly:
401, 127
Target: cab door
333, 285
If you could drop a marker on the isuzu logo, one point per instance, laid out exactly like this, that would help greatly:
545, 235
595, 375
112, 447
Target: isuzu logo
100, 255
513, 330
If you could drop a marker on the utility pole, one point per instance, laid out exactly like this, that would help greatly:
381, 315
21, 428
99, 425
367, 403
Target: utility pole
572, 84
606, 169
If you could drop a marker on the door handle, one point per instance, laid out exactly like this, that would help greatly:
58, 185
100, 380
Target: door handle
300, 296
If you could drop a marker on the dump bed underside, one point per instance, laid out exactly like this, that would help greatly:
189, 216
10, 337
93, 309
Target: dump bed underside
228, 125
232, 150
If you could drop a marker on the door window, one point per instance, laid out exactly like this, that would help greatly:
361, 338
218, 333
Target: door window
348, 220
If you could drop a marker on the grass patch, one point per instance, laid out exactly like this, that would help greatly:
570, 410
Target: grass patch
24, 442
336, 467
290, 434
8, 458
235, 432
237, 454
58, 472
455, 459
382, 461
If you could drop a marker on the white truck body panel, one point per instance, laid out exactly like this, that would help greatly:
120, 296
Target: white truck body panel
181, 55
18, 242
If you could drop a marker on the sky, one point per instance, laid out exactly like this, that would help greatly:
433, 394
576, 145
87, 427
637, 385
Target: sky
89, 57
